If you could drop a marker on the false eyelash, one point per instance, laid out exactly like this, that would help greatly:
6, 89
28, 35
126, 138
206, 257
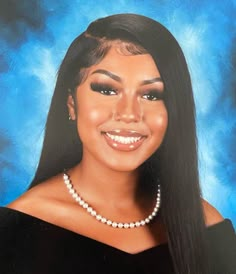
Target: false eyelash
101, 87
156, 93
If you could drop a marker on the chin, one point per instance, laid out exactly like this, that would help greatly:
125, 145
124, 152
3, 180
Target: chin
124, 166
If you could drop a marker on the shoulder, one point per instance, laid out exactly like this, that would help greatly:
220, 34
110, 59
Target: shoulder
39, 198
211, 214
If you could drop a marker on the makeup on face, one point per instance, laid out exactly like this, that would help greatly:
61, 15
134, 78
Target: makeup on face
125, 139
122, 116
151, 94
150, 89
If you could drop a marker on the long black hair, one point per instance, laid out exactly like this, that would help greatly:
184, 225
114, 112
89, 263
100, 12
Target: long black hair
175, 162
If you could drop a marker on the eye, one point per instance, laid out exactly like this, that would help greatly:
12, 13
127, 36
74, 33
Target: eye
103, 89
153, 95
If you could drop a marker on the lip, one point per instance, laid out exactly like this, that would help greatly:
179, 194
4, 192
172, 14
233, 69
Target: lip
124, 133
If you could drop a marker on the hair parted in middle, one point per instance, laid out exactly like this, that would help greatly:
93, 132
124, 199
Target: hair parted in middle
175, 163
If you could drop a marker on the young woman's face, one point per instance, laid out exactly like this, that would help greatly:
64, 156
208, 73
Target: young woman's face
121, 115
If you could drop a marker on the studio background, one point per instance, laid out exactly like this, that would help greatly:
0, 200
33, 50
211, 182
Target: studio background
34, 36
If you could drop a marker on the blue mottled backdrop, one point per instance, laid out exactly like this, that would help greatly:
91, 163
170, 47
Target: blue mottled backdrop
34, 38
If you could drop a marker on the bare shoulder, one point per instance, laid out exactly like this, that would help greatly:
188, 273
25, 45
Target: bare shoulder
212, 215
38, 197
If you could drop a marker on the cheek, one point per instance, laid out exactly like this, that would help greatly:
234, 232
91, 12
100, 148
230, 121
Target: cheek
95, 116
162, 121
158, 122
90, 115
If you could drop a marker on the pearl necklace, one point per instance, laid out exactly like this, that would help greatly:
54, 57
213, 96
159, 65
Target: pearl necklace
104, 220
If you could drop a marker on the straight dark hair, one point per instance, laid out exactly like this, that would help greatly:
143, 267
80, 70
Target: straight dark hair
175, 163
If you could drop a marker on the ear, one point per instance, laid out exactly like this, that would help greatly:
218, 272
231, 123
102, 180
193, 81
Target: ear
71, 107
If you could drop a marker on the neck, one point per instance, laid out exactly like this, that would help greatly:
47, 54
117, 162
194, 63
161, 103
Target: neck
104, 185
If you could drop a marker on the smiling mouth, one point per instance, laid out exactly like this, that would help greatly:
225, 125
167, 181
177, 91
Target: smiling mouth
124, 140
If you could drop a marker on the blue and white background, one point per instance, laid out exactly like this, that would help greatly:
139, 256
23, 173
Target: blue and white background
34, 36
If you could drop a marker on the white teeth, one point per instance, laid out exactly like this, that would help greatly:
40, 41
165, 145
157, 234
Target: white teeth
122, 139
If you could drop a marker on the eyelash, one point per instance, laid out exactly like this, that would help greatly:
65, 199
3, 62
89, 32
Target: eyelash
154, 93
108, 90
103, 89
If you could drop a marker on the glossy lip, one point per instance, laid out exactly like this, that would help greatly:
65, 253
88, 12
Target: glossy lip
124, 147
125, 133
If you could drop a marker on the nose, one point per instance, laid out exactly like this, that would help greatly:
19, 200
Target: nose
128, 110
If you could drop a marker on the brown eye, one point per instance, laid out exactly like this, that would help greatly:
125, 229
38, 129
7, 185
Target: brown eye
153, 95
103, 89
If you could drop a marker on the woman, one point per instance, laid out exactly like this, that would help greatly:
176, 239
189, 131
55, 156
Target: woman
117, 187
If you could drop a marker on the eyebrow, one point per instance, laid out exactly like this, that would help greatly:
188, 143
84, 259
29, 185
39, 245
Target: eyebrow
151, 81
118, 79
109, 74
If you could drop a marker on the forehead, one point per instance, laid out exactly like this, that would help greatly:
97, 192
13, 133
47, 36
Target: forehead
125, 65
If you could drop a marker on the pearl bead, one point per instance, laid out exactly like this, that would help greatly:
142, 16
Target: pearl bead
85, 205
89, 209
78, 199
98, 217
81, 202
103, 220
75, 195
143, 222
120, 225
126, 225
114, 224
131, 225
93, 213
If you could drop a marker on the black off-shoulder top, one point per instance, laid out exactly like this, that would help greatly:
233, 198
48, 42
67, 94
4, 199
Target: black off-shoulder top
29, 245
